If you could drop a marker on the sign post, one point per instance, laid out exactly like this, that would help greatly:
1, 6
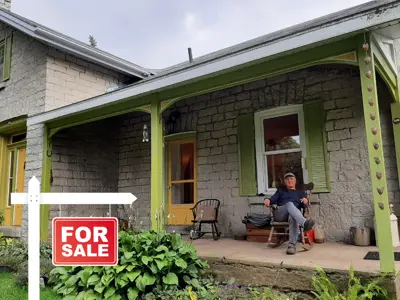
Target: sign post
34, 199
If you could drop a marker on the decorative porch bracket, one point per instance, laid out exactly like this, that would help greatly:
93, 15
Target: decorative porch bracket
156, 137
375, 152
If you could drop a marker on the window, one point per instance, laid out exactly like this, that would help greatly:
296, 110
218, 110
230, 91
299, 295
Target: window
280, 146
1, 57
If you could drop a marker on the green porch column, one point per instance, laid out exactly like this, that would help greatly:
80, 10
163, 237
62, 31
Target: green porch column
375, 152
156, 137
45, 184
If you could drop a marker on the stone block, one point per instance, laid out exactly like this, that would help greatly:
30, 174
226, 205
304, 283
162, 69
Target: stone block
215, 159
204, 152
218, 134
328, 105
338, 135
217, 118
357, 132
223, 141
226, 108
329, 125
242, 104
348, 144
216, 150
204, 136
333, 146
204, 120
345, 102
218, 167
212, 143
243, 96
232, 139
230, 149
208, 112
339, 114
223, 125
346, 123
231, 131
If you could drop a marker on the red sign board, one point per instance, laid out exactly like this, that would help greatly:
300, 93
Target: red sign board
85, 241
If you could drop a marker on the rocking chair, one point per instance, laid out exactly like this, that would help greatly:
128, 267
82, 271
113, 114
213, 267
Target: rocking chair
205, 212
281, 229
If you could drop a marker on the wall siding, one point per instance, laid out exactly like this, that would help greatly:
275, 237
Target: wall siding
70, 79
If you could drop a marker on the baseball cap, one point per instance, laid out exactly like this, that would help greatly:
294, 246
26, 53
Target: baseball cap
289, 175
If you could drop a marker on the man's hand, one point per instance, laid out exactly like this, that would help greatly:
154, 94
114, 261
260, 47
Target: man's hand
304, 201
267, 202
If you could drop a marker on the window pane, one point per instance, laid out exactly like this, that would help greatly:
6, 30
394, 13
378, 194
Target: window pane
18, 138
281, 133
280, 164
11, 177
183, 193
182, 161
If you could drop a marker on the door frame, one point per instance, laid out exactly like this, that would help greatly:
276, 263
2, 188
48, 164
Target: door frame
6, 147
180, 139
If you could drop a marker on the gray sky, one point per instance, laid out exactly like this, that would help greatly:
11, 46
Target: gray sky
157, 33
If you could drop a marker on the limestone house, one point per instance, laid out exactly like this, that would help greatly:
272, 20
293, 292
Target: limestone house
320, 99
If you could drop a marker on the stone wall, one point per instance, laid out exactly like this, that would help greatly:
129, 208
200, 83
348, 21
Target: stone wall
24, 92
213, 116
85, 159
135, 163
70, 79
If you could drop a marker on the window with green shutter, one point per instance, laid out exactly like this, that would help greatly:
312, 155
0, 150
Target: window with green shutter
290, 139
5, 57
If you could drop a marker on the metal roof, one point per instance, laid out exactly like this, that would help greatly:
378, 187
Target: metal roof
73, 46
371, 15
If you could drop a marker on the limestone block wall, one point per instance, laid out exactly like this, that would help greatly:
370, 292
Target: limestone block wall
135, 163
213, 116
85, 159
24, 92
70, 79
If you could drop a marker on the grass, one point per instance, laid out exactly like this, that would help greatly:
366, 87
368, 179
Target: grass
11, 291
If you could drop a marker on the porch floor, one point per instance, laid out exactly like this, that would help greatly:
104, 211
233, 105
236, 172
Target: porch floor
327, 255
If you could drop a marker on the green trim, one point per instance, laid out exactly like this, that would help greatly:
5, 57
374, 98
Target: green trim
382, 215
180, 136
7, 57
247, 159
395, 108
18, 145
13, 126
157, 205
104, 112
3, 171
317, 152
45, 186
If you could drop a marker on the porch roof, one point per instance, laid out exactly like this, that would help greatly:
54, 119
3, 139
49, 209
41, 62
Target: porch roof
310, 40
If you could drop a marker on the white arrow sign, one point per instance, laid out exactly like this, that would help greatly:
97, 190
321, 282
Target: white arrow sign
34, 199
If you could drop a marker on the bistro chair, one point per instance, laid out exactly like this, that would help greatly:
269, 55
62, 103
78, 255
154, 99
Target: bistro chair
281, 229
205, 212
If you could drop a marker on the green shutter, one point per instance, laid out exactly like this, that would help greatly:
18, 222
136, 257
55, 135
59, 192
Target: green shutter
7, 58
317, 155
247, 161
396, 133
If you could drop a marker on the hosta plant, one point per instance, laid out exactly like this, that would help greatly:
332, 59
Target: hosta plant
147, 261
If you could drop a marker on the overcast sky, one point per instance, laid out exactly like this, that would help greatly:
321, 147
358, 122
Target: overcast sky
157, 33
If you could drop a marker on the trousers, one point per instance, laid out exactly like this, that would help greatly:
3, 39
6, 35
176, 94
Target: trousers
291, 213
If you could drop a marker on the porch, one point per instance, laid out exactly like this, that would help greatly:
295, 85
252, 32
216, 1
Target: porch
252, 263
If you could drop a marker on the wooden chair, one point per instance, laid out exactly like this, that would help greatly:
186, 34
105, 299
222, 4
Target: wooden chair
281, 229
205, 212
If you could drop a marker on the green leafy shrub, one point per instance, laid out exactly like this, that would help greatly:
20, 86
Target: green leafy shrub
14, 255
147, 261
326, 290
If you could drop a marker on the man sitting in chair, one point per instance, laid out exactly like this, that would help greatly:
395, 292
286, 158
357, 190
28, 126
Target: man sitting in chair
289, 202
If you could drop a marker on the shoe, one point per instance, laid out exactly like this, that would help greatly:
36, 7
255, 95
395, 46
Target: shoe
291, 250
308, 225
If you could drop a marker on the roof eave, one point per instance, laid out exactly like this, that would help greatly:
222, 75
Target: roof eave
80, 49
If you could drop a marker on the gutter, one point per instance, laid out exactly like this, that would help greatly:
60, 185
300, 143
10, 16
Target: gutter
290, 44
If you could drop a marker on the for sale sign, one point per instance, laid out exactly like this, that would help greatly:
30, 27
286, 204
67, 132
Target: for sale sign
85, 241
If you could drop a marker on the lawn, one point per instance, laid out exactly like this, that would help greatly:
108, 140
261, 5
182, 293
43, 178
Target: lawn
11, 291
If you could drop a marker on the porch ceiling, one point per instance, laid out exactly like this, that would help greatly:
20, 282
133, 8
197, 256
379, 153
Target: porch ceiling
315, 42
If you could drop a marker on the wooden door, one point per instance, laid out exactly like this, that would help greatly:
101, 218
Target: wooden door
182, 181
15, 183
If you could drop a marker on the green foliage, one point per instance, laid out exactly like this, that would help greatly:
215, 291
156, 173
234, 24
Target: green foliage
14, 255
2, 217
326, 290
5, 242
147, 261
